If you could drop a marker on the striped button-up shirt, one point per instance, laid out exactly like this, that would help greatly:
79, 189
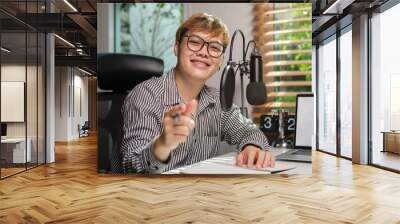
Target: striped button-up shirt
143, 114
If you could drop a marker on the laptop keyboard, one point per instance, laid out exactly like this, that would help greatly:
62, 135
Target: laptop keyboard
299, 156
302, 152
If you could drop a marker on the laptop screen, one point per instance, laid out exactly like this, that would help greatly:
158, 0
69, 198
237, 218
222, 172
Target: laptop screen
304, 121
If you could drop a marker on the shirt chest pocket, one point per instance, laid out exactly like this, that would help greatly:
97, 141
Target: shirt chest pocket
209, 126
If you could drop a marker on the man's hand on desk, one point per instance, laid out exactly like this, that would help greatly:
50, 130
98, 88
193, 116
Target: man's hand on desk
253, 157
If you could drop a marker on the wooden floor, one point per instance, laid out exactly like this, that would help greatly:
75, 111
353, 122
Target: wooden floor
387, 159
71, 191
5, 172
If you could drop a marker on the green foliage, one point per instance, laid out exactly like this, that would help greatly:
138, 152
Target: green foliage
299, 24
286, 99
149, 29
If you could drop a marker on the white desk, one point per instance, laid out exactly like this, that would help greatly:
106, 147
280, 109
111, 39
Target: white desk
17, 147
229, 160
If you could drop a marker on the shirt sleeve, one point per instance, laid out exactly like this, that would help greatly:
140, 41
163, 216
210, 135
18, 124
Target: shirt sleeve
142, 124
241, 131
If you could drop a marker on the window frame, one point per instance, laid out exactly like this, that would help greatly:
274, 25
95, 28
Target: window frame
334, 36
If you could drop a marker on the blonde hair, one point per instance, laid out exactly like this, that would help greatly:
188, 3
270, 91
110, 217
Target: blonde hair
206, 23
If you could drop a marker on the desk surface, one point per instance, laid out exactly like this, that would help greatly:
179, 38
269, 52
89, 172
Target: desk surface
229, 158
13, 140
391, 132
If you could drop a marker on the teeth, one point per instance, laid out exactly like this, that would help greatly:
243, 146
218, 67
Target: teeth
200, 62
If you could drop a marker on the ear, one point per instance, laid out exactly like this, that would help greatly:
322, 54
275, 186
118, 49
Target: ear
176, 48
222, 60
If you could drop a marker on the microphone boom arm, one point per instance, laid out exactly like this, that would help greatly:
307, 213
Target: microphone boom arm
233, 40
241, 66
233, 67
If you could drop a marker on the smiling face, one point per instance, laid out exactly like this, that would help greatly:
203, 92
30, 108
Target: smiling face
201, 64
199, 46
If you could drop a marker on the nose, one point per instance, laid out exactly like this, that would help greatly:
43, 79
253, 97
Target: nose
203, 51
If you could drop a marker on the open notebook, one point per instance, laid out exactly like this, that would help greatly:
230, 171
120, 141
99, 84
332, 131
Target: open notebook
226, 165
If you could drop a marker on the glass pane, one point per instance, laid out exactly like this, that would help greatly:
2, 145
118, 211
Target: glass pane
13, 87
346, 94
31, 98
385, 89
148, 29
41, 99
31, 88
327, 96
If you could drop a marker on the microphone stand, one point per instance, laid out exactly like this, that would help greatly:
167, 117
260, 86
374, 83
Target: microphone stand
242, 66
243, 109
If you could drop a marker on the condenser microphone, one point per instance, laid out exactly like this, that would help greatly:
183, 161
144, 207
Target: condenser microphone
227, 87
256, 92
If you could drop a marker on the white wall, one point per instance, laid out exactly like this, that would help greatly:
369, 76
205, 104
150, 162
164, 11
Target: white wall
80, 83
14, 72
17, 73
68, 83
33, 125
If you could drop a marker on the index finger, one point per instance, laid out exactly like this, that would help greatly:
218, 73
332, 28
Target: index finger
191, 108
176, 109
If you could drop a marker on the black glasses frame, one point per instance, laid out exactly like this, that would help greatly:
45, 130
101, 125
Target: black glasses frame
205, 42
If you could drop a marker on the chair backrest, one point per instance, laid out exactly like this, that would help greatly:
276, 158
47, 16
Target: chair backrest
117, 75
86, 125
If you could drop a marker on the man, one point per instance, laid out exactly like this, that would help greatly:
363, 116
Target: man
176, 120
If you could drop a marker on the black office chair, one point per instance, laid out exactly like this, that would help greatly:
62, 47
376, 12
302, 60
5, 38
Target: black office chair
117, 75
84, 129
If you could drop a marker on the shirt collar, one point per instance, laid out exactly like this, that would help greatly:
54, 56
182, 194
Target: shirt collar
172, 96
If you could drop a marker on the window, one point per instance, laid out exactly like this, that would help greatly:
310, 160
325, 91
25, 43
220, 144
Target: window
284, 39
385, 88
22, 77
346, 93
327, 96
148, 29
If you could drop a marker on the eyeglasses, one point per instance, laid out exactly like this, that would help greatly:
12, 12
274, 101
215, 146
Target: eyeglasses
196, 43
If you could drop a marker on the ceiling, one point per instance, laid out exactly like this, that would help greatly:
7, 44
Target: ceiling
330, 15
73, 20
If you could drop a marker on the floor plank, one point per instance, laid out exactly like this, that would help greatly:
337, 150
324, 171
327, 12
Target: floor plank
71, 191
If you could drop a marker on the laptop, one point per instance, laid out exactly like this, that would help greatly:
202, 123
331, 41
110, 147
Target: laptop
304, 130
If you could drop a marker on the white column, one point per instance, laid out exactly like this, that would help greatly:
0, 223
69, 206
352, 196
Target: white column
314, 91
50, 99
360, 90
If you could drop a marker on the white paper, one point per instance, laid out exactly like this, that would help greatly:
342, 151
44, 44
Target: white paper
227, 166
